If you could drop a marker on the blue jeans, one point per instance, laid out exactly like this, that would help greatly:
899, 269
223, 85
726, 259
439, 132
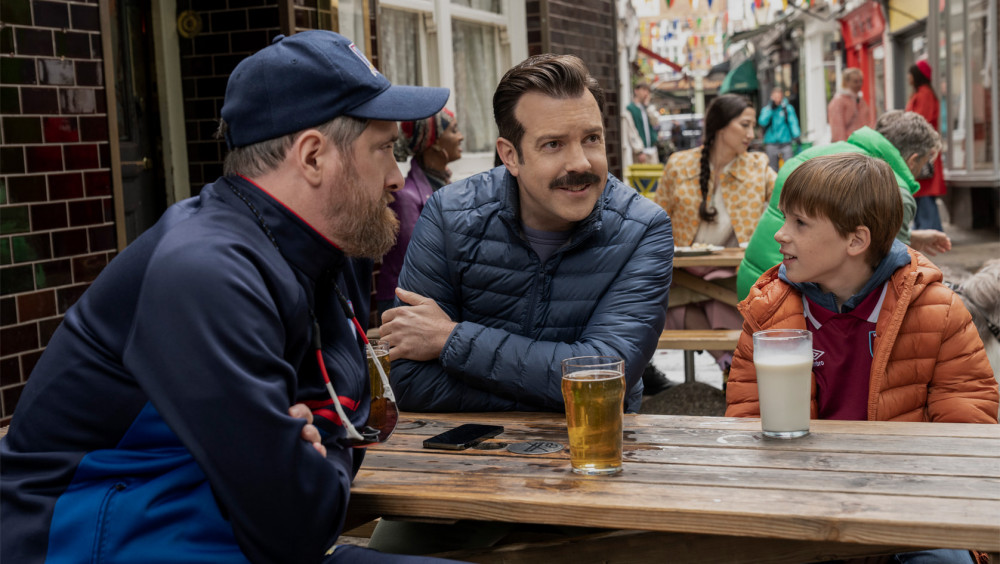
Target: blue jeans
940, 556
349, 554
927, 214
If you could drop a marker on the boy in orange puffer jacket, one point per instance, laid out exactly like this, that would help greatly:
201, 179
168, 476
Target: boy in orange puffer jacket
890, 342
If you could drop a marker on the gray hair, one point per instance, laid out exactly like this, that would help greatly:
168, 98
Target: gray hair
260, 158
909, 132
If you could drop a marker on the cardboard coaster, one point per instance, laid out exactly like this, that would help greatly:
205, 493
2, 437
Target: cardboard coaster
535, 447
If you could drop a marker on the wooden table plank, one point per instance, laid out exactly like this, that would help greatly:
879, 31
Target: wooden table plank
821, 440
642, 474
410, 422
728, 257
849, 517
699, 339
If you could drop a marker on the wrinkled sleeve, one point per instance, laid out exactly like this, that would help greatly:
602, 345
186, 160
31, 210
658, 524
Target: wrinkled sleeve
765, 116
490, 369
837, 117
220, 381
769, 177
793, 123
909, 212
741, 388
666, 189
963, 388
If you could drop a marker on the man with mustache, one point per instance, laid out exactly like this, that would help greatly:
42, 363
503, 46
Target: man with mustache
167, 419
548, 257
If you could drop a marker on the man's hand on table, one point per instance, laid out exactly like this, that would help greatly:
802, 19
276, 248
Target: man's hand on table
417, 331
929, 241
310, 433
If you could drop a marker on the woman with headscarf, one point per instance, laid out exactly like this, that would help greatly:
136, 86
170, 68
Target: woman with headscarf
432, 143
714, 195
925, 102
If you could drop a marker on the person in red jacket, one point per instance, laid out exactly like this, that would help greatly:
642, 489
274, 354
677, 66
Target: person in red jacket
925, 102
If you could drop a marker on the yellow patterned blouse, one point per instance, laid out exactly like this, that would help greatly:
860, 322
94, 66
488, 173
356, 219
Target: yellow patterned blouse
746, 187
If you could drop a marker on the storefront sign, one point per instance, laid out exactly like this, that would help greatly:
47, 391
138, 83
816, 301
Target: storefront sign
863, 25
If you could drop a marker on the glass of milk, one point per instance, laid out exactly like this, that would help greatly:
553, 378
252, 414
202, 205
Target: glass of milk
783, 359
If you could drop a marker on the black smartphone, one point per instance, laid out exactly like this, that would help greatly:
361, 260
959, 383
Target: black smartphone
463, 436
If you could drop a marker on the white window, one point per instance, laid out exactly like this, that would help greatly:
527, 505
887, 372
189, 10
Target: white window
463, 45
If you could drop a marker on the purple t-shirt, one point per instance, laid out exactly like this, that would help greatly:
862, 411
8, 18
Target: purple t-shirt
843, 347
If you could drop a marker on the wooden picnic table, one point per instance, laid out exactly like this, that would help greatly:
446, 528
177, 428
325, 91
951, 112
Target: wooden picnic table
700, 289
701, 489
728, 258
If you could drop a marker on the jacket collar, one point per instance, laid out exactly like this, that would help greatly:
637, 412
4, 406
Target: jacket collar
849, 93
301, 245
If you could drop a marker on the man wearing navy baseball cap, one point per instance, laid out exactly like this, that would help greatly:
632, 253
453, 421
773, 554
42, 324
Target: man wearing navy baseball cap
201, 401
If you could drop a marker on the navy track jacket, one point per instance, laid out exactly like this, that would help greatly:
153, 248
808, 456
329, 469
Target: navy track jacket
155, 426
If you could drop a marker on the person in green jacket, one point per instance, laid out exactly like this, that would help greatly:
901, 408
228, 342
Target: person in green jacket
904, 140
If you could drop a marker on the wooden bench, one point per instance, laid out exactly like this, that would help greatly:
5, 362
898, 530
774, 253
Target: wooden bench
690, 340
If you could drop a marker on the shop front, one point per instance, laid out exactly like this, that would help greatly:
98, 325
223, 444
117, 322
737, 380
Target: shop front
862, 30
965, 47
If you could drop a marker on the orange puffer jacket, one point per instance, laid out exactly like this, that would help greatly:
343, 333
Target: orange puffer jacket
929, 363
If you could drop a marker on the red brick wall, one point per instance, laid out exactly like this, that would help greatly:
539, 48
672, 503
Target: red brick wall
56, 214
585, 28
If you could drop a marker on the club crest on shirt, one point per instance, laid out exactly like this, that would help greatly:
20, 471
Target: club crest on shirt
871, 343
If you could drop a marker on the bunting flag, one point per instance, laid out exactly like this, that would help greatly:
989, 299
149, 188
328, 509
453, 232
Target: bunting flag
699, 24
784, 5
709, 4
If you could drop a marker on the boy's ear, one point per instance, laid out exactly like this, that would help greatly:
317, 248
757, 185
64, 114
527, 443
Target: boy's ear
859, 241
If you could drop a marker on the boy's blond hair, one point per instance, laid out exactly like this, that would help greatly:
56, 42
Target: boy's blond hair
851, 190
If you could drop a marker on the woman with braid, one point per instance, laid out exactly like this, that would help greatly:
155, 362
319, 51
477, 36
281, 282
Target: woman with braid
714, 195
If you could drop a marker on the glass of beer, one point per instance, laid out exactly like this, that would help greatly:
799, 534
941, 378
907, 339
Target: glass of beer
593, 389
377, 412
783, 359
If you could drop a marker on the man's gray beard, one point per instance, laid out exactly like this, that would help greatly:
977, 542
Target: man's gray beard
369, 229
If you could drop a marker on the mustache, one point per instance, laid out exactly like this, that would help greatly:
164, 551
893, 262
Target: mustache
575, 179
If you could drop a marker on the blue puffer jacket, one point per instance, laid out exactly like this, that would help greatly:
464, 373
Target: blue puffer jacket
603, 293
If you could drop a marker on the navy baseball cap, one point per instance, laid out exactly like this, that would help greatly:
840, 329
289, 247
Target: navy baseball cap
308, 79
